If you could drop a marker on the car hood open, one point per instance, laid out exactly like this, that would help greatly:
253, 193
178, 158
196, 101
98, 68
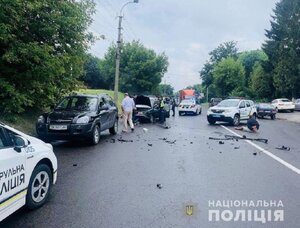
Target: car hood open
143, 100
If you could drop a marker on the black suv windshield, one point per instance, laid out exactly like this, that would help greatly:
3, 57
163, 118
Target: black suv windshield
78, 103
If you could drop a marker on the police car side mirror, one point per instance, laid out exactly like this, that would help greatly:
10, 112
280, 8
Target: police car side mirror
20, 143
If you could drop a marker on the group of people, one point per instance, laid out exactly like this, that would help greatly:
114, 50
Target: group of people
128, 107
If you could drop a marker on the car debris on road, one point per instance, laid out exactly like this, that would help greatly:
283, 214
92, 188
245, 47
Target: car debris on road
283, 148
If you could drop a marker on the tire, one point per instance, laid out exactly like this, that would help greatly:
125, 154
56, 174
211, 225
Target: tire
273, 117
292, 110
236, 120
254, 115
114, 129
38, 191
95, 137
211, 121
200, 111
180, 113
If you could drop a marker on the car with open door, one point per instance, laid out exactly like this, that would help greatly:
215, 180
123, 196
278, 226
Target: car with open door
28, 169
79, 117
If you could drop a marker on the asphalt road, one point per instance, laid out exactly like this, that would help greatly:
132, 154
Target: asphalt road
150, 181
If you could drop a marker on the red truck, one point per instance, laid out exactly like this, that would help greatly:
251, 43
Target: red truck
186, 94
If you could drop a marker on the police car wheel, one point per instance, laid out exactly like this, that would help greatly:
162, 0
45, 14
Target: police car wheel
114, 129
39, 186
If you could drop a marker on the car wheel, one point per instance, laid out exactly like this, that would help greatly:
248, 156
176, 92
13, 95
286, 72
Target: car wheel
273, 117
211, 121
254, 115
180, 113
236, 120
114, 129
200, 111
39, 186
292, 110
95, 138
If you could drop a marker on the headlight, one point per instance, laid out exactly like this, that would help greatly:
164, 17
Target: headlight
83, 120
41, 119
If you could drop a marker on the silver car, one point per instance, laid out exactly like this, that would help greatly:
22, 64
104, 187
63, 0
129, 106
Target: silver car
297, 104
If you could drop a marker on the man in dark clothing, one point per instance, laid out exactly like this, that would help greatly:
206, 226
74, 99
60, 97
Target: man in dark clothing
162, 117
173, 105
252, 124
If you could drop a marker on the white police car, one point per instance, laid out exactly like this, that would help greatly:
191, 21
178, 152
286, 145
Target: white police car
27, 171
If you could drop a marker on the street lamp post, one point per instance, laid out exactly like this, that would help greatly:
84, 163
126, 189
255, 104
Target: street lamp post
118, 52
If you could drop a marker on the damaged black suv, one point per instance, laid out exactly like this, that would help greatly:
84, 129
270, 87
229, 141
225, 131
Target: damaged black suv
79, 117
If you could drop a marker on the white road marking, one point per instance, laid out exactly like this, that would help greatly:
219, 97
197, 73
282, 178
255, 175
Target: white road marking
286, 164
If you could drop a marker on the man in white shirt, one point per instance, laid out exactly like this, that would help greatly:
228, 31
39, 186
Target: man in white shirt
127, 108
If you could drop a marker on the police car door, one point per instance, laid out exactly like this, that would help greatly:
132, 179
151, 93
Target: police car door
242, 109
12, 175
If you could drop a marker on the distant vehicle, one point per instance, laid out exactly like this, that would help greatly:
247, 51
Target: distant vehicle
147, 109
231, 111
28, 169
187, 94
189, 106
79, 117
297, 105
214, 101
283, 104
266, 109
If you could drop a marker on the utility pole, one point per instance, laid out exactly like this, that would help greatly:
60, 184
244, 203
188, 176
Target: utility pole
118, 52
118, 58
207, 94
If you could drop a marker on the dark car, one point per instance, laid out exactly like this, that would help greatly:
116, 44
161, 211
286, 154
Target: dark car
266, 109
79, 117
147, 109
214, 101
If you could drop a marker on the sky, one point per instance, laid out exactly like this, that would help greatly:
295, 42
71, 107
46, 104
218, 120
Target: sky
185, 30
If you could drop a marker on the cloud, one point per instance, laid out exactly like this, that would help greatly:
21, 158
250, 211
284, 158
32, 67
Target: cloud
185, 30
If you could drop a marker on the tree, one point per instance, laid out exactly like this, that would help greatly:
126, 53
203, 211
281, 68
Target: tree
283, 48
42, 50
165, 90
141, 69
228, 77
249, 59
93, 77
261, 82
223, 51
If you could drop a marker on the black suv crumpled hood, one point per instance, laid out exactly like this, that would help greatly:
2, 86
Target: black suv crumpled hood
143, 100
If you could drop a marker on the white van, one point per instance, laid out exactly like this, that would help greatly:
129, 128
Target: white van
28, 168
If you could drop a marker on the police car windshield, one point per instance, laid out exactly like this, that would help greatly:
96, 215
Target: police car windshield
188, 101
228, 103
78, 103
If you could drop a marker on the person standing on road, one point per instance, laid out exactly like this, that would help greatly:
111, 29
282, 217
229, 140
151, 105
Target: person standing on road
162, 117
127, 108
173, 105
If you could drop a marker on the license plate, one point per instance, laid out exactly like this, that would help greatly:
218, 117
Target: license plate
58, 127
216, 115
140, 113
268, 111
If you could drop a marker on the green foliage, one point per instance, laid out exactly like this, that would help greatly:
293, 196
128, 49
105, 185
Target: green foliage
165, 90
228, 77
223, 51
260, 83
42, 46
141, 69
93, 76
249, 59
283, 48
